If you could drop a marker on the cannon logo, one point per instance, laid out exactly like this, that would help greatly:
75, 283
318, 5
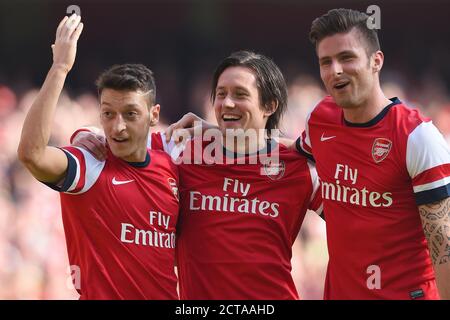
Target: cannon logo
380, 149
273, 169
173, 185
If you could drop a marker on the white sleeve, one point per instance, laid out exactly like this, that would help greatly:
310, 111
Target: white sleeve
315, 202
428, 163
83, 171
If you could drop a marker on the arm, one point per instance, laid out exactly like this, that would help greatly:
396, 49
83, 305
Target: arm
316, 201
436, 226
49, 164
91, 139
186, 127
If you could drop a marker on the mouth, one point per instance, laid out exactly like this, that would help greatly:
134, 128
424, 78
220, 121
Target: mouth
341, 85
120, 140
231, 117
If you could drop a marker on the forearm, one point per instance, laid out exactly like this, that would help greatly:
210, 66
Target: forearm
38, 123
436, 226
442, 272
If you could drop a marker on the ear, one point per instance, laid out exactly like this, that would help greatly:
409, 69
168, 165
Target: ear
270, 108
154, 114
377, 61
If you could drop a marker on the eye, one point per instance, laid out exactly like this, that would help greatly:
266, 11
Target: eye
107, 114
325, 62
240, 95
220, 94
347, 58
131, 114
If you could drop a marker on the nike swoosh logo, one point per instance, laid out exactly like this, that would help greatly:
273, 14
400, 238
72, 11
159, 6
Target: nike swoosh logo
116, 182
323, 138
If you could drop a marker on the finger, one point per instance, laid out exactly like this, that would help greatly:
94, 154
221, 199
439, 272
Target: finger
99, 142
69, 26
72, 27
176, 130
58, 30
182, 134
177, 136
93, 149
65, 26
99, 153
184, 122
76, 34
100, 138
168, 132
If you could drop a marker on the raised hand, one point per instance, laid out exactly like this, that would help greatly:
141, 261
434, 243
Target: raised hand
65, 46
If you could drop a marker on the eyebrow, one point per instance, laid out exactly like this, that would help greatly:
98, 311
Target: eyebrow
129, 105
237, 87
342, 53
346, 52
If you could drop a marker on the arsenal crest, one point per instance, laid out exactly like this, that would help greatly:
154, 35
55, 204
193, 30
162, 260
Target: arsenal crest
173, 184
273, 169
380, 149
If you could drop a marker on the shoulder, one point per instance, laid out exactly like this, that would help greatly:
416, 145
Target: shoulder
160, 158
407, 119
326, 110
292, 157
155, 141
83, 170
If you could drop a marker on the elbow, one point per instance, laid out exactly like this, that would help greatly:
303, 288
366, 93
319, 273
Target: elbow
25, 155
22, 154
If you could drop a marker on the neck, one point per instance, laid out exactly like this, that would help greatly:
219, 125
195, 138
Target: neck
245, 143
368, 109
138, 156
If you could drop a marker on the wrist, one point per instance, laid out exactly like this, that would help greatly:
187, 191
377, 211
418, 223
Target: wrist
60, 67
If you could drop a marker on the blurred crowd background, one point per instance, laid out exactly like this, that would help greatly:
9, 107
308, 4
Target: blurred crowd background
182, 41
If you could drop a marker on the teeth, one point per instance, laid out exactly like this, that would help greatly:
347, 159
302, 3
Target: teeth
230, 117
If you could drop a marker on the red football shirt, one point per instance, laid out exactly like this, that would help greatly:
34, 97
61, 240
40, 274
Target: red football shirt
238, 223
373, 177
119, 221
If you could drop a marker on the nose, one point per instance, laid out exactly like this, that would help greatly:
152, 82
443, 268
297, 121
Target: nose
228, 102
119, 124
336, 68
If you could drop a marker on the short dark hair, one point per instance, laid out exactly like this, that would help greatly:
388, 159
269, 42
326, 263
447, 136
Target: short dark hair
269, 81
343, 21
128, 77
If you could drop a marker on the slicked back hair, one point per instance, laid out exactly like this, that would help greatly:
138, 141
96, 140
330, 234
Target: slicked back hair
342, 21
128, 77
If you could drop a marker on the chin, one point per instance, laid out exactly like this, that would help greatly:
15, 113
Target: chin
345, 102
230, 125
119, 152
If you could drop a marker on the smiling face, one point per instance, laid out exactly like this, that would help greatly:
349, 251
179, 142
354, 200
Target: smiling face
237, 102
349, 75
126, 117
